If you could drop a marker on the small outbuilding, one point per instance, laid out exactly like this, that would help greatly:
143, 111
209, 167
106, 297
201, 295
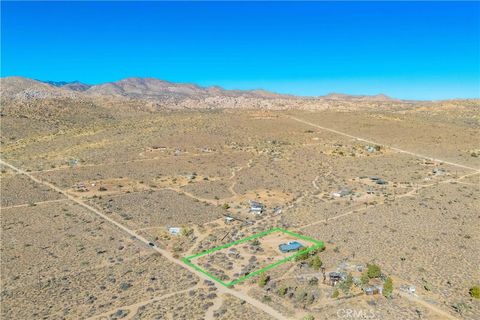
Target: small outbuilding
381, 182
256, 207
335, 277
342, 193
174, 230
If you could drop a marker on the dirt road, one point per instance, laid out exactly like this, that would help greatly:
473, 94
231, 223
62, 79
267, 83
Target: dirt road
265, 308
383, 145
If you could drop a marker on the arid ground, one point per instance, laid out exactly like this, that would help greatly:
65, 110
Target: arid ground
90, 187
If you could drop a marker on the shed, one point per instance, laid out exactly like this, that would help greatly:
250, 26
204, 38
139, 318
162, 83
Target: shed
174, 230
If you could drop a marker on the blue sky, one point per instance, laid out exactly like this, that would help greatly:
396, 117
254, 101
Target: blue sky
413, 50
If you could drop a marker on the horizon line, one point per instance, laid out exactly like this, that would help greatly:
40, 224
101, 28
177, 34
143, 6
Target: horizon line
280, 92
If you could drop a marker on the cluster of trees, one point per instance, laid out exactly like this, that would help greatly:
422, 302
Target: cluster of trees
373, 271
312, 256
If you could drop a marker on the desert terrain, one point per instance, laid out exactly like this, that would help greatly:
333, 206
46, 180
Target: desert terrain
104, 189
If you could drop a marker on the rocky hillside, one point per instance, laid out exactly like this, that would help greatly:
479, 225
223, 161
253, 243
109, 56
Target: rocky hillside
147, 89
32, 98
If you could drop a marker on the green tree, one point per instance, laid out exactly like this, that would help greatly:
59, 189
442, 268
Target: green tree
373, 271
388, 288
364, 278
304, 255
309, 317
186, 231
347, 284
316, 263
474, 292
263, 280
335, 294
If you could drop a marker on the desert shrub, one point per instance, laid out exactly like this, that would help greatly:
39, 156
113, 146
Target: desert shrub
309, 317
313, 281
282, 291
186, 231
256, 242
474, 292
373, 271
364, 278
226, 206
388, 288
460, 307
301, 296
315, 263
263, 280
335, 294
102, 189
266, 299
125, 286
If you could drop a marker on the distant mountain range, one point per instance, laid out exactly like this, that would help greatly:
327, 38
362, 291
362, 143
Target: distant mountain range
155, 88
151, 88
74, 85
75, 100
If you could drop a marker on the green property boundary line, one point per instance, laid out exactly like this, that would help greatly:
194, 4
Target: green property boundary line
187, 260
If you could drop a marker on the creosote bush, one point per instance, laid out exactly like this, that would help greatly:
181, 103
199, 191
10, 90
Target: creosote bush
263, 280
474, 292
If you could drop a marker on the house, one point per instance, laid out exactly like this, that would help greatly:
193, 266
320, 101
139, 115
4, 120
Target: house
290, 246
438, 171
256, 207
370, 149
192, 176
80, 187
342, 193
409, 288
375, 286
157, 147
369, 291
381, 181
335, 277
174, 230
277, 210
